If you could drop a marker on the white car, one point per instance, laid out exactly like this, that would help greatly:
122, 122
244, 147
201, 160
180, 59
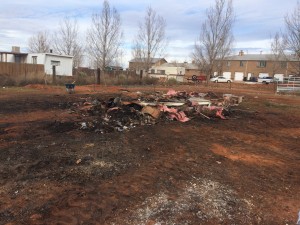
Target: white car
220, 80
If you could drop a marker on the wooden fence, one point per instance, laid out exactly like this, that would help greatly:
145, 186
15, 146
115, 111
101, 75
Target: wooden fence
22, 70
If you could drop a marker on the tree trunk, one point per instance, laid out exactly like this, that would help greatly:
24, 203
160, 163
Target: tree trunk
98, 75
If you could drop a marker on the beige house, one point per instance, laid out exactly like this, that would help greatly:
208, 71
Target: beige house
247, 66
139, 64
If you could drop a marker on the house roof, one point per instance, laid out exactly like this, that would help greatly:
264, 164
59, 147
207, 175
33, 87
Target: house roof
52, 54
14, 53
153, 60
190, 66
259, 57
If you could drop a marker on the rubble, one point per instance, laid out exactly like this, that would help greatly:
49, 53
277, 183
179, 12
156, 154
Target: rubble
149, 109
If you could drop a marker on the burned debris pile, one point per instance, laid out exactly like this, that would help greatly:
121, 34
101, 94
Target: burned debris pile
120, 114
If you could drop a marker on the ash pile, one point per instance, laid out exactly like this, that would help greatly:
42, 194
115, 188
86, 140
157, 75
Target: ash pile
125, 113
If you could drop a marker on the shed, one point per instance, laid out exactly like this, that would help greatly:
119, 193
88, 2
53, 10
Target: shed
63, 63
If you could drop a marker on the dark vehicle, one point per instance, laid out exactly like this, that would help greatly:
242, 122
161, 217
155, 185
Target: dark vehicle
253, 79
197, 78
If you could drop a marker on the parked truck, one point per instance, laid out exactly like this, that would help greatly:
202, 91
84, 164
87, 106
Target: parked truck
265, 80
197, 78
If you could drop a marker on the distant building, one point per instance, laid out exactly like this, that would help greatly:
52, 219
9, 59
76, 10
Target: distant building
178, 71
139, 64
246, 66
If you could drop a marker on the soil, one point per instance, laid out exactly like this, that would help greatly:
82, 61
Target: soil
242, 170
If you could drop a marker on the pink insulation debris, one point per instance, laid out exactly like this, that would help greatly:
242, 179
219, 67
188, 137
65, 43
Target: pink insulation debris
174, 114
218, 111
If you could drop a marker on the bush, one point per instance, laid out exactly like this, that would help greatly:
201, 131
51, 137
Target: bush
172, 81
6, 80
34, 80
149, 80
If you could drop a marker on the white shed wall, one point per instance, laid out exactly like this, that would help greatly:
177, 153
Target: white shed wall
64, 69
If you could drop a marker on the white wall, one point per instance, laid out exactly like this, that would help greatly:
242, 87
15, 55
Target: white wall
227, 75
64, 69
179, 78
8, 58
170, 70
278, 76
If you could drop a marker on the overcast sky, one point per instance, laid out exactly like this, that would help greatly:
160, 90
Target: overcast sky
256, 21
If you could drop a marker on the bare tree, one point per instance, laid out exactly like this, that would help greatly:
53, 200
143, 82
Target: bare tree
104, 37
39, 43
292, 35
277, 53
151, 40
216, 38
66, 41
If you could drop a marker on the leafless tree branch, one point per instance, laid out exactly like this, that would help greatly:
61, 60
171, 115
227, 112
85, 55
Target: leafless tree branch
292, 35
216, 38
150, 40
66, 41
39, 43
104, 36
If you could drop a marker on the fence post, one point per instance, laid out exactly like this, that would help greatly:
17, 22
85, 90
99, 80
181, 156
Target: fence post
53, 74
141, 76
98, 75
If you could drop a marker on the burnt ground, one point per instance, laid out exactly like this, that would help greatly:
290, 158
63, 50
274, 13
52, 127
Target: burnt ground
243, 170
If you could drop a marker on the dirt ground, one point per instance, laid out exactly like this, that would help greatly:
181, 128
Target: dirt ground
243, 170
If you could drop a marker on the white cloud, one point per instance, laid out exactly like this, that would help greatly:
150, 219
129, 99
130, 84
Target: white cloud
256, 20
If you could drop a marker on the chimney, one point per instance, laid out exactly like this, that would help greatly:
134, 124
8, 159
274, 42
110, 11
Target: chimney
15, 49
51, 51
241, 53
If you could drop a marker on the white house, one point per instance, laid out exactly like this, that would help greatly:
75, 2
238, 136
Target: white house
169, 71
63, 63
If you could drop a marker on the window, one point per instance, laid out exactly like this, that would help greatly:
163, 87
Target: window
261, 64
283, 65
55, 63
152, 71
34, 59
241, 63
228, 63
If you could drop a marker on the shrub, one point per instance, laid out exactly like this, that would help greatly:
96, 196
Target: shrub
171, 81
149, 80
6, 80
33, 80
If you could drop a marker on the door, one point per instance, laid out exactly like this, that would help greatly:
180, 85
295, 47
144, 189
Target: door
238, 76
227, 75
